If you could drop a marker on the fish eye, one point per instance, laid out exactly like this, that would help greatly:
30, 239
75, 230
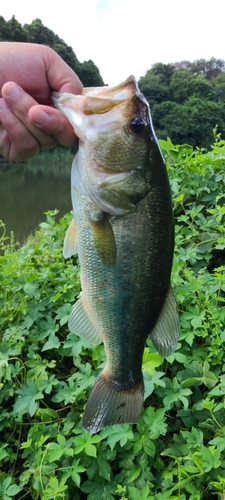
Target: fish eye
137, 124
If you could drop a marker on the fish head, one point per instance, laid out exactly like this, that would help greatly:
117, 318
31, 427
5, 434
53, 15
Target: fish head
114, 122
118, 150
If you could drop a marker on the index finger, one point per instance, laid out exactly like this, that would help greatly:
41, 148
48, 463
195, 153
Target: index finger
60, 76
17, 103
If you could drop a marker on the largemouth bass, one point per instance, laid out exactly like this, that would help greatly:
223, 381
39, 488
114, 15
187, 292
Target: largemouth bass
123, 231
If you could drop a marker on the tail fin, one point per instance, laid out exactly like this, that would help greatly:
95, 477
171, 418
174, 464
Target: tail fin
108, 405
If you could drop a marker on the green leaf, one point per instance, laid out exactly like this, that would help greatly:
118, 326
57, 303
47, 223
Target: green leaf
30, 289
155, 419
55, 452
76, 478
104, 468
8, 490
3, 452
90, 449
117, 434
13, 490
134, 493
76, 470
134, 473
151, 361
52, 343
29, 394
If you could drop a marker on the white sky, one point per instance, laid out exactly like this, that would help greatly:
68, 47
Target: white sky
128, 36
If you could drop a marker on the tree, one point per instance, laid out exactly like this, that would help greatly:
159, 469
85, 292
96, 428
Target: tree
179, 85
67, 54
154, 89
186, 102
209, 69
87, 71
155, 85
164, 71
36, 32
219, 87
192, 122
12, 31
159, 113
198, 86
89, 74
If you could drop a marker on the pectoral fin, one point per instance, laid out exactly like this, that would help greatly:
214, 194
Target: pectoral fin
70, 241
104, 239
166, 331
81, 323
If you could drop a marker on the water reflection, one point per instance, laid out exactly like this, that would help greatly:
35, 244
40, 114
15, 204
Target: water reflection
29, 190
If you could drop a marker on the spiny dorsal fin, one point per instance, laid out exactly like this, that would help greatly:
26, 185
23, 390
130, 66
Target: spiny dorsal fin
70, 241
166, 331
81, 323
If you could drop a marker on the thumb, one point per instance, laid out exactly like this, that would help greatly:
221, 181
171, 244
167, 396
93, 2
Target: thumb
54, 123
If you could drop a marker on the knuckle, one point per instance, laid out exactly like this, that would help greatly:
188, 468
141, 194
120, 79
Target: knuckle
30, 146
25, 150
49, 143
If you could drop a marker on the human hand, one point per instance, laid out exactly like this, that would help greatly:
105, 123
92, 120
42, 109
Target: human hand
28, 122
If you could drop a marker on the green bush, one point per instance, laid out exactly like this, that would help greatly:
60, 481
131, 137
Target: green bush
177, 450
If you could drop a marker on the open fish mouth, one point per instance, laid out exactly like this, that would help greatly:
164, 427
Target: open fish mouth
108, 106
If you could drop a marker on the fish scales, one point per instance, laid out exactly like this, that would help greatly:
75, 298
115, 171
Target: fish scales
122, 292
124, 238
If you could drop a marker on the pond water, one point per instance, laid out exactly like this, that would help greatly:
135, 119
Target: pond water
30, 189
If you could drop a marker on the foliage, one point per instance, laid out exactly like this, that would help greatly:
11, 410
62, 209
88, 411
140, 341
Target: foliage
155, 85
12, 31
163, 71
209, 69
187, 103
36, 32
154, 89
177, 450
192, 121
179, 86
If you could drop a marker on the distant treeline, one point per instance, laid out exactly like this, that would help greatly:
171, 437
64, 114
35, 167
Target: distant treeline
187, 103
187, 100
36, 32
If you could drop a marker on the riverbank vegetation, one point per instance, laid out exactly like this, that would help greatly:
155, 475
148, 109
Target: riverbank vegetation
177, 450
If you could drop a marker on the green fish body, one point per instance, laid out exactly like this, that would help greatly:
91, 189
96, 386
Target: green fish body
123, 231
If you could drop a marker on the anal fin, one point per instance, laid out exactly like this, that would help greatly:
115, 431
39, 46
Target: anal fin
165, 333
81, 323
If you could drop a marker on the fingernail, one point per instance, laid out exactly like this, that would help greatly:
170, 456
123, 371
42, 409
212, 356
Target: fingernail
11, 89
40, 117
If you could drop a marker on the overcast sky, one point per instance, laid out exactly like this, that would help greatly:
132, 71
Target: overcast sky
126, 37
